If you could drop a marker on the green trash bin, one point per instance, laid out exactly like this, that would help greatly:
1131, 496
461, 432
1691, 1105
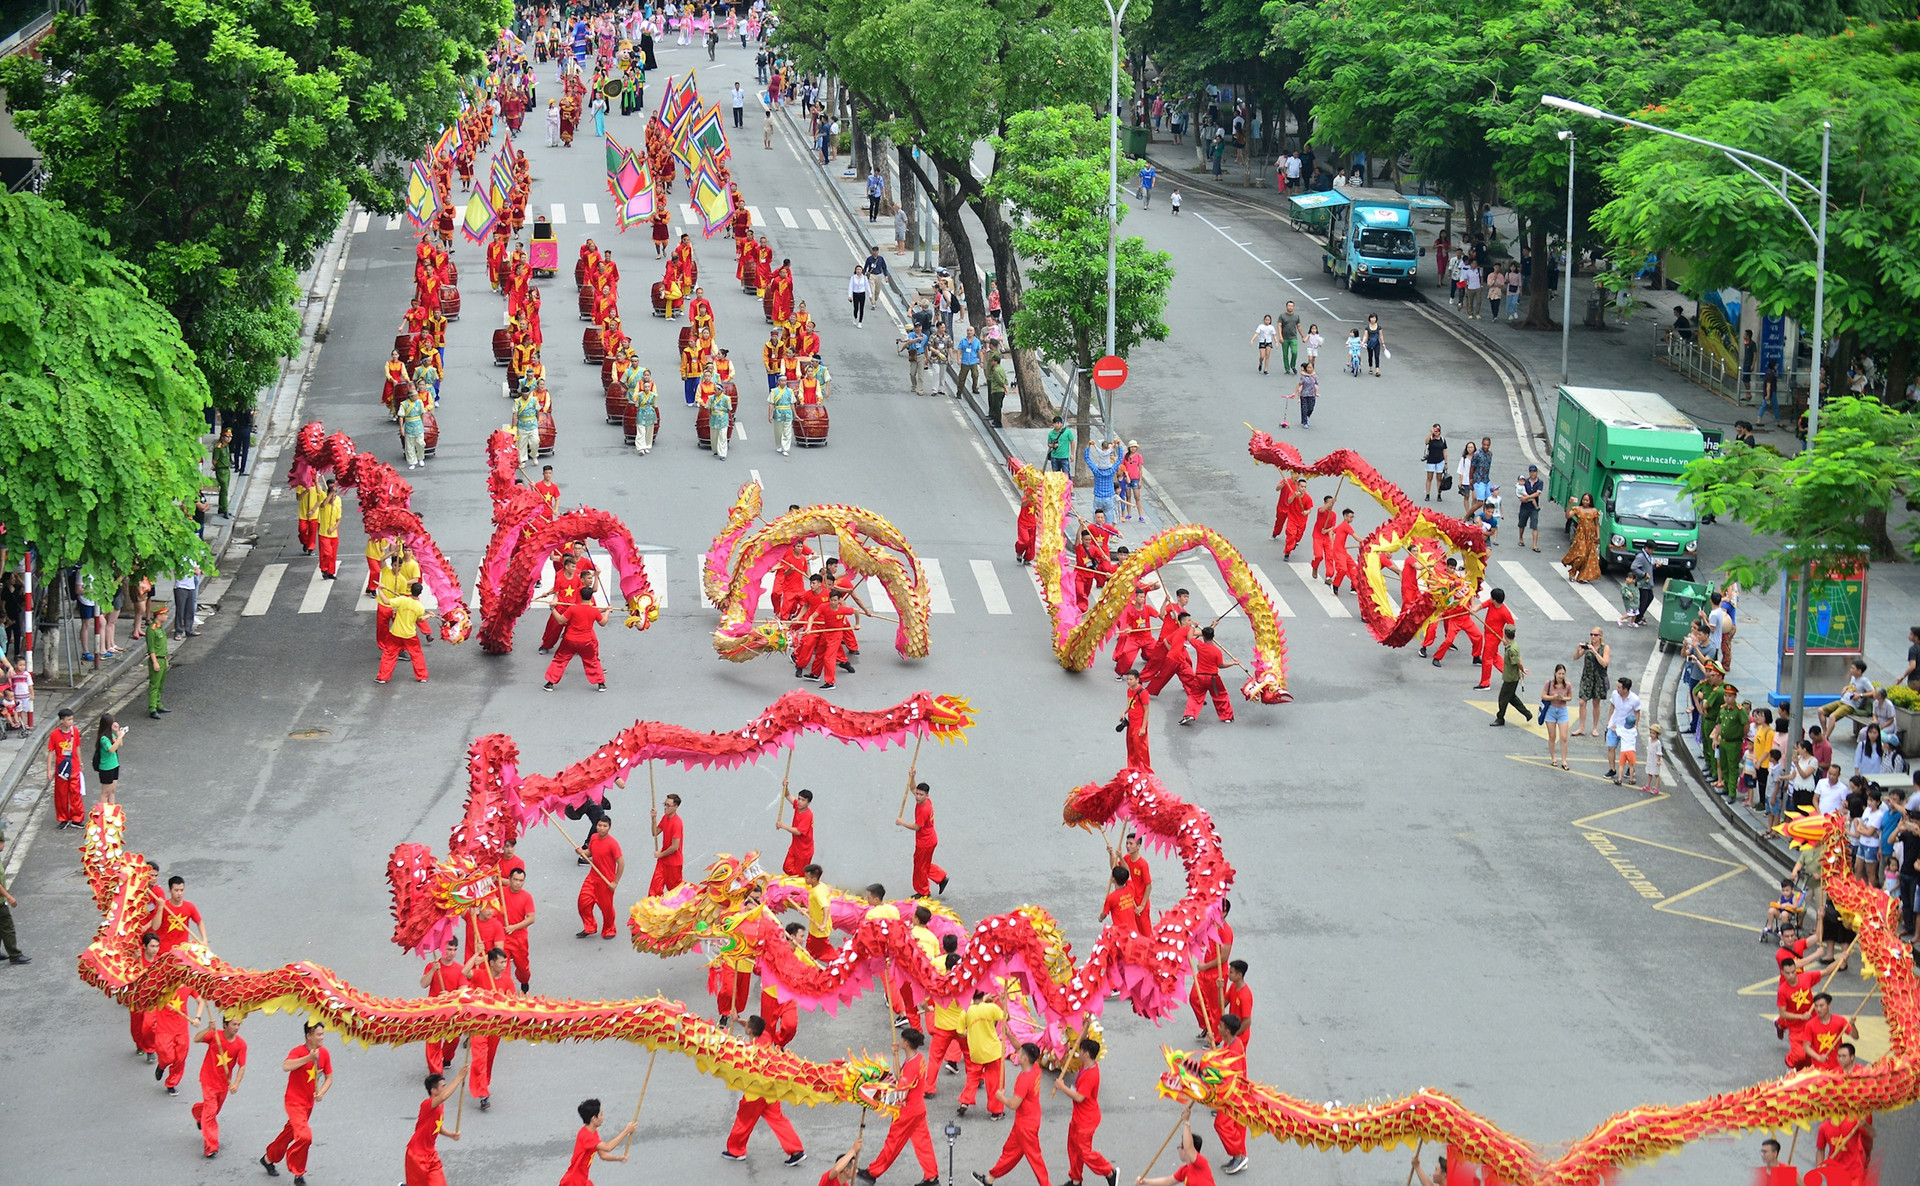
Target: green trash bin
1680, 603
1134, 140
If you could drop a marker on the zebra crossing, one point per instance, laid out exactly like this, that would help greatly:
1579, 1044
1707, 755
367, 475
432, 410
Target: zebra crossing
977, 587
560, 213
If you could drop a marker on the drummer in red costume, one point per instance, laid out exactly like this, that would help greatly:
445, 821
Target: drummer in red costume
781, 286
423, 1166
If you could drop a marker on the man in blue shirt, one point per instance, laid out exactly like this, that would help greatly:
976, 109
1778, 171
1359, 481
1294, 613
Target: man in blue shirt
914, 346
1103, 461
876, 186
874, 265
1146, 186
969, 350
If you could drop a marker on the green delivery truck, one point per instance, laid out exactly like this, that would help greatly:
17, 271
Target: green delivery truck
1627, 448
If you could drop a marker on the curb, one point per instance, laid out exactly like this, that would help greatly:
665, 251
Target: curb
1686, 764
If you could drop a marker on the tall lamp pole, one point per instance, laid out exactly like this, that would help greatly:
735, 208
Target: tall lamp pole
1113, 160
1781, 189
1566, 281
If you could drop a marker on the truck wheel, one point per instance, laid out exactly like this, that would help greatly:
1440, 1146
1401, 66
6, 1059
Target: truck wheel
1346, 281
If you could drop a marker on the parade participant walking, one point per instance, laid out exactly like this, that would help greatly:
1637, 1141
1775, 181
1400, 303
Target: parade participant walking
914, 1080
221, 1070
800, 848
780, 404
608, 865
1232, 1134
819, 914
176, 920
925, 840
1194, 1169
1205, 680
307, 496
1493, 626
1209, 995
669, 857
422, 1166
587, 1145
1085, 1094
518, 915
1289, 338
755, 1109
1511, 671
445, 974
1121, 906
1023, 1141
327, 523
1140, 877
413, 429
403, 634
63, 771
170, 1040
986, 1052
309, 1069
1324, 520
485, 970
1134, 723
579, 638
1263, 338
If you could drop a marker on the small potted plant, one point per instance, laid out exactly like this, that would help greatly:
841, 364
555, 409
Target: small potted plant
1906, 718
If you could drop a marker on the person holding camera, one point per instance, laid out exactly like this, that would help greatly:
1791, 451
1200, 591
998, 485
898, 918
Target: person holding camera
914, 346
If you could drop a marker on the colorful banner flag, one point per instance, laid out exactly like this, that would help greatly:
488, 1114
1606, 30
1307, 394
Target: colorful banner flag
669, 97
449, 142
422, 204
482, 216
624, 177
709, 136
638, 208
500, 174
710, 200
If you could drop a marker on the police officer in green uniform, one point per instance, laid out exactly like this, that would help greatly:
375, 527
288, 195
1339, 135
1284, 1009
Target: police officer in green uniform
156, 661
223, 467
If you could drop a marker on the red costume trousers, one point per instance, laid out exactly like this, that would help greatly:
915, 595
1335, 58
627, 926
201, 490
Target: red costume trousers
1137, 755
1199, 687
1171, 664
908, 1126
1489, 659
140, 1025
206, 1114
293, 1142
820, 947
666, 875
330, 554
1343, 567
989, 1075
827, 652
1127, 650
392, 648
589, 653
732, 991
1321, 553
925, 872
424, 1170
596, 894
69, 803
373, 574
1457, 624
480, 1078
441, 1055
520, 957
942, 1044
551, 635
1232, 1134
309, 532
1026, 532
170, 1047
1081, 1155
752, 1112
1023, 1144
1206, 1000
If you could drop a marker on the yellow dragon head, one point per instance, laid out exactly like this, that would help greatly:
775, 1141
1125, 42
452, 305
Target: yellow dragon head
1205, 1077
676, 922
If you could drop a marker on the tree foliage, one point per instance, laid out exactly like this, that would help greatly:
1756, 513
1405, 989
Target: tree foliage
1053, 172
1770, 96
1864, 462
100, 402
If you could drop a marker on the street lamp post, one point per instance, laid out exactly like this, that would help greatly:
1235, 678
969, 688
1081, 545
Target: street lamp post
1566, 281
1113, 160
1780, 189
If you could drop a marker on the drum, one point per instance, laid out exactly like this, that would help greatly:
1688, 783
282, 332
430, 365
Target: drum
659, 300
733, 393
547, 433
766, 305
502, 347
404, 343
616, 397
433, 432
810, 425
703, 429
686, 337
587, 296
606, 372
580, 272
750, 275
630, 423
453, 274
592, 344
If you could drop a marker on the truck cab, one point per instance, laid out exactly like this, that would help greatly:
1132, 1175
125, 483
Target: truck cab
1628, 450
1369, 236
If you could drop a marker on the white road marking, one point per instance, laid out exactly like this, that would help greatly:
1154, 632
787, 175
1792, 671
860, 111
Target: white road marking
1535, 591
367, 604
1325, 596
558, 213
590, 212
753, 214
656, 566
689, 215
1209, 588
473, 598
875, 595
1305, 295
1742, 857
755, 475
261, 599
1592, 597
990, 590
819, 219
705, 601
1280, 606
393, 223
362, 220
317, 589
786, 217
938, 600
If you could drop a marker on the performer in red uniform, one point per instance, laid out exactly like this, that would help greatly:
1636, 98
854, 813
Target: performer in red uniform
487, 970
1817, 1044
1232, 1134
754, 1109
1240, 1000
1194, 1169
309, 1069
1136, 634
1498, 618
565, 590
1173, 659
1845, 1148
800, 848
548, 489
1140, 879
445, 974
63, 770
916, 1077
580, 638
608, 865
221, 1070
1340, 562
1772, 1171
1085, 1094
587, 1145
1209, 995
925, 840
1023, 1141
1290, 513
171, 1040
518, 914
1205, 680
177, 919
803, 611
1323, 521
422, 1164
790, 577
1794, 1000
833, 628
1134, 721
1026, 532
670, 855
1121, 905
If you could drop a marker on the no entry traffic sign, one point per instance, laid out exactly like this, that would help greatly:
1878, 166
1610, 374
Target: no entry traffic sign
1110, 372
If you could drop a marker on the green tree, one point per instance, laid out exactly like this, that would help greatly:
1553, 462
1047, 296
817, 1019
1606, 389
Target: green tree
100, 402
1053, 173
1770, 96
899, 57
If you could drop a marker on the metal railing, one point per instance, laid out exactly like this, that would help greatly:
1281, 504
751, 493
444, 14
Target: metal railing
1703, 367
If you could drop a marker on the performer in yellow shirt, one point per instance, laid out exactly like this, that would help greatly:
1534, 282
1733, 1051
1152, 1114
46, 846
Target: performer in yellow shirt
327, 522
307, 499
403, 634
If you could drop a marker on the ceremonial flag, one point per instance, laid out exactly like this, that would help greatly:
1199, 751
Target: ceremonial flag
710, 200
624, 177
481, 216
637, 208
449, 142
500, 174
709, 136
682, 147
669, 97
422, 204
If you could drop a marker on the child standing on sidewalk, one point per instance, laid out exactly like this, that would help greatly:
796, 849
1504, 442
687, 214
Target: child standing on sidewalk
1176, 203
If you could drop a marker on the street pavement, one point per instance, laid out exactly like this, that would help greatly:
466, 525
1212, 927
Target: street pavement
1423, 902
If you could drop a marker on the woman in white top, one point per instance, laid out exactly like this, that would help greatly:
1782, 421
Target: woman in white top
1460, 476
857, 290
1263, 335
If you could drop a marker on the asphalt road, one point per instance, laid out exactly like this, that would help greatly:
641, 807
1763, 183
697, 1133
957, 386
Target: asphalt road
1422, 901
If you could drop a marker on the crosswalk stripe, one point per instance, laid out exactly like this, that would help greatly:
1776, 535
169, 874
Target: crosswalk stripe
1280, 606
1535, 591
590, 212
393, 222
656, 566
786, 217
990, 590
937, 597
362, 220
1591, 596
689, 215
558, 213
1208, 586
261, 599
766, 582
367, 603
1325, 596
819, 220
753, 212
473, 591
318, 587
